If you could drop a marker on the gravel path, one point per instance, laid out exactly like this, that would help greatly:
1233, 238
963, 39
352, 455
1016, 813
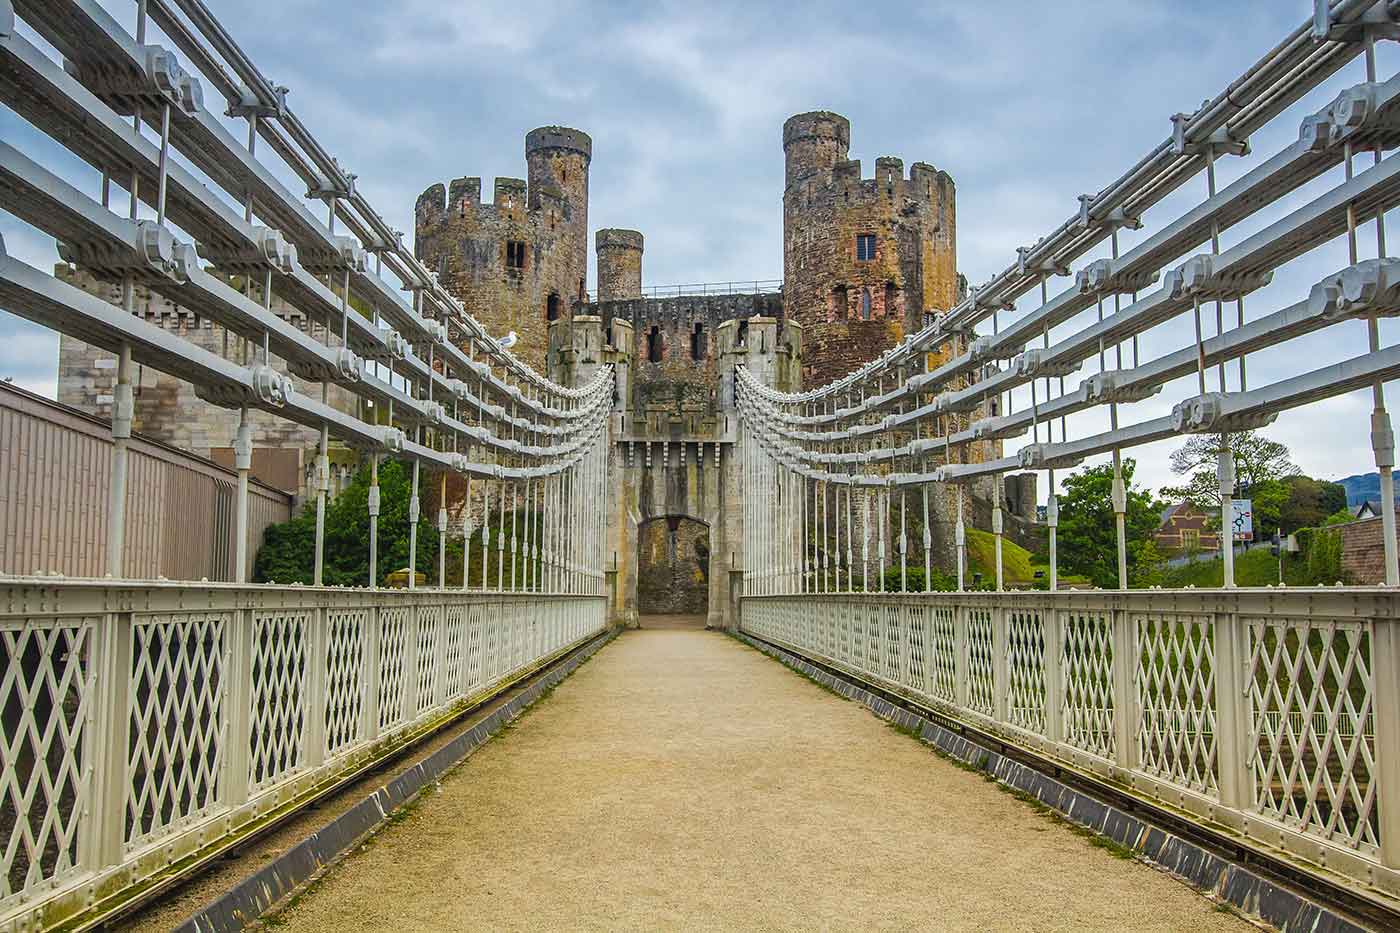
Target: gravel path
683, 780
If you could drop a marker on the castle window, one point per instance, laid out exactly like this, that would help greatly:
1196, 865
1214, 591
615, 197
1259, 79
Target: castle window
551, 307
515, 254
891, 296
654, 344
697, 342
743, 332
839, 302
865, 304
865, 247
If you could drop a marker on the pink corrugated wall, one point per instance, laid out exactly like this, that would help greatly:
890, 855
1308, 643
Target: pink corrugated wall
55, 468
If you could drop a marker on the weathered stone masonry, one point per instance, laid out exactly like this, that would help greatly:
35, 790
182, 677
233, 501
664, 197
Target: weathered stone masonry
863, 258
519, 261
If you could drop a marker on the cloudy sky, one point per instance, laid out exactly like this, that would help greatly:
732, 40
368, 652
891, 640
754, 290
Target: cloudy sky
1026, 104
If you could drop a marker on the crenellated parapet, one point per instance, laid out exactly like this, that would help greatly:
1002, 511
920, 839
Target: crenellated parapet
518, 261
863, 258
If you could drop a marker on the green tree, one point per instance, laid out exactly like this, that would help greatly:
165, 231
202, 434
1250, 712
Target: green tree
1260, 467
1310, 501
288, 551
1087, 538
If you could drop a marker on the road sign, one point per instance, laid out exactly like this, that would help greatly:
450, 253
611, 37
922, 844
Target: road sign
1242, 518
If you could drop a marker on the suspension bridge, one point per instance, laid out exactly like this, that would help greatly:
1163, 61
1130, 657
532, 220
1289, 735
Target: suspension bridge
1246, 741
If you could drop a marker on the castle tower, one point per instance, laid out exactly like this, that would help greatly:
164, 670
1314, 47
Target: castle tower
557, 158
863, 258
520, 261
619, 264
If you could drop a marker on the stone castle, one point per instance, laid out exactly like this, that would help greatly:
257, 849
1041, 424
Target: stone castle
865, 262
864, 259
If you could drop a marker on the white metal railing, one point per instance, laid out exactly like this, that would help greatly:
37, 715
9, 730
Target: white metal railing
143, 725
1274, 713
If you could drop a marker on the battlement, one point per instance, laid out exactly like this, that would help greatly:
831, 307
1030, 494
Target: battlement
559, 137
509, 192
820, 125
924, 182
612, 238
462, 197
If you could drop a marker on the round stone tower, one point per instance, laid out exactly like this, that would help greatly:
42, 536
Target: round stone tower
814, 142
619, 264
557, 158
517, 261
863, 258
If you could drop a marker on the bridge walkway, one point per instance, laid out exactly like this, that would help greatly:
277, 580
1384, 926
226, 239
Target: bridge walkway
683, 780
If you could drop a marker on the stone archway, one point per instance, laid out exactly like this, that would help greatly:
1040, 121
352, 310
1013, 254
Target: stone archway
673, 566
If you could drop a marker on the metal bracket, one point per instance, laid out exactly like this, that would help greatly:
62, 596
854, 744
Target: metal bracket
1103, 277
392, 440
1048, 266
1198, 277
1220, 141
1379, 20
1205, 414
249, 105
1033, 363
1116, 219
123, 409
1371, 286
1105, 387
1038, 457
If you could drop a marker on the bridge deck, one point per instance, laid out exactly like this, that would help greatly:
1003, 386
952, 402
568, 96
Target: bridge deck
681, 779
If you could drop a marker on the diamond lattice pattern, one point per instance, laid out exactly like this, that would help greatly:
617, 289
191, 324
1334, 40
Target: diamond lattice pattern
177, 721
280, 645
1313, 740
1176, 694
45, 695
1086, 666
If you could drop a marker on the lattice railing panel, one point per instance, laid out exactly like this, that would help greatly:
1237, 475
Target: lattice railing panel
493, 626
476, 652
894, 647
346, 632
944, 653
177, 719
1086, 669
281, 649
981, 660
1312, 742
46, 699
454, 650
428, 658
394, 633
1176, 697
1025, 655
915, 625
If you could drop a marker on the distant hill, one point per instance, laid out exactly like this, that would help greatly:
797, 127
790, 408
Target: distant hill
1362, 487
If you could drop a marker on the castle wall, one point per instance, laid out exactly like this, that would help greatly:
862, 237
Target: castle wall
853, 308
469, 243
